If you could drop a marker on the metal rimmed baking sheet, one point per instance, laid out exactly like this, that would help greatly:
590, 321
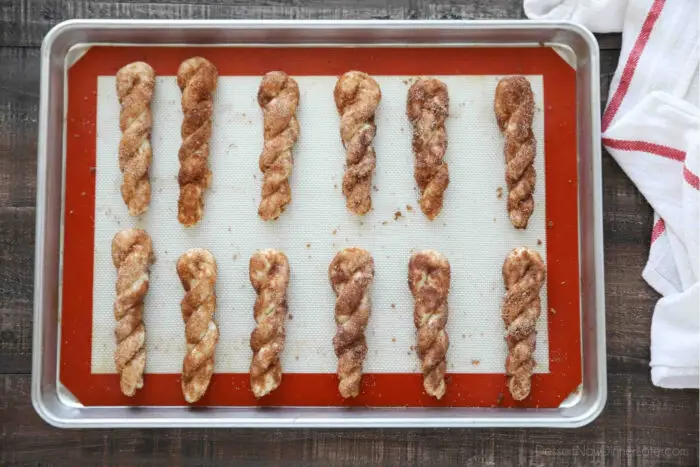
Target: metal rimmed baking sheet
391, 32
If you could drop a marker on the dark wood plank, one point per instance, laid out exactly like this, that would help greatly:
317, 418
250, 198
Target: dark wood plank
645, 427
610, 41
16, 288
19, 108
608, 64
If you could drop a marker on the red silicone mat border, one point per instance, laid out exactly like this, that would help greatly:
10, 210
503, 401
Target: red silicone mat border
379, 390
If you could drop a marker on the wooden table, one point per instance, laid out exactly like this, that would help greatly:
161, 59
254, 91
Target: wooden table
641, 424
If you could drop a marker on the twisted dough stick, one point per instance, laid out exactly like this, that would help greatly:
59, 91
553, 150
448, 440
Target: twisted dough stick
269, 275
197, 271
357, 97
132, 254
514, 106
429, 280
196, 78
351, 273
523, 275
278, 97
135, 84
427, 109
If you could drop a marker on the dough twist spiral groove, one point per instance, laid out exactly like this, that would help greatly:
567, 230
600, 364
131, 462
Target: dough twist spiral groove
135, 85
515, 107
132, 254
269, 275
198, 272
427, 109
357, 97
523, 274
278, 98
197, 79
351, 274
429, 279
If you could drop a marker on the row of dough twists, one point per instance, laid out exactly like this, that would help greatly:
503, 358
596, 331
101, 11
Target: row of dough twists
357, 96
351, 273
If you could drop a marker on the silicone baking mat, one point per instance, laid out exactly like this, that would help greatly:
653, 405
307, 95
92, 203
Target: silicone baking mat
473, 230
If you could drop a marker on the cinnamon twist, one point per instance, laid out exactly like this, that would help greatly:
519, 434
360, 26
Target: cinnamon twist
427, 109
198, 272
351, 273
523, 275
357, 97
429, 280
515, 107
269, 275
197, 79
278, 97
135, 84
132, 254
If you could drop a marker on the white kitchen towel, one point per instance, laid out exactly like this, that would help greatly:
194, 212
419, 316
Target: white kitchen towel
651, 126
596, 15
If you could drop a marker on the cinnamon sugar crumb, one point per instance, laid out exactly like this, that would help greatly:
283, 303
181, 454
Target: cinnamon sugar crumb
335, 231
397, 214
475, 362
308, 245
393, 339
539, 242
393, 305
499, 399
499, 192
409, 208
550, 224
553, 311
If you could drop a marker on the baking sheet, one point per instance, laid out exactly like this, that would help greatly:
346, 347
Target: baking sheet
473, 230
